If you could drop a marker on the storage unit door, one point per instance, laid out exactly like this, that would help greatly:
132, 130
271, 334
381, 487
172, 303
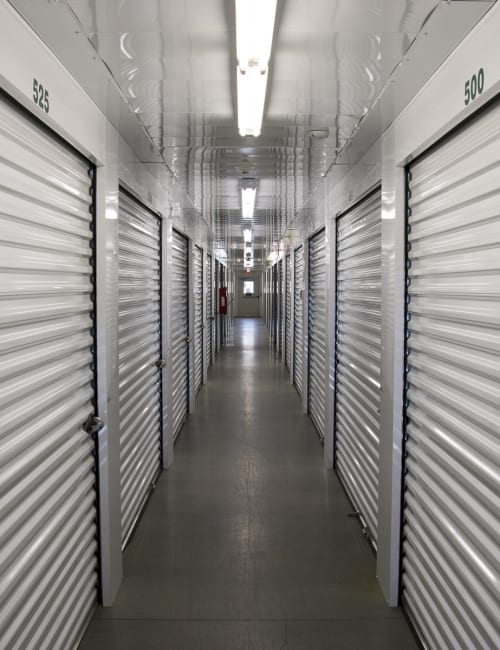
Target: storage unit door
280, 308
216, 305
288, 313
298, 340
317, 383
451, 530
139, 347
179, 286
210, 311
48, 547
198, 317
358, 353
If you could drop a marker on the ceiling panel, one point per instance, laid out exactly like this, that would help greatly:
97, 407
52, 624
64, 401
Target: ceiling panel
175, 63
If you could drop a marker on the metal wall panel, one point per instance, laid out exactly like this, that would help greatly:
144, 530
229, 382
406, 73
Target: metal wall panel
317, 378
198, 317
288, 312
298, 325
139, 336
451, 531
210, 311
48, 547
180, 331
358, 356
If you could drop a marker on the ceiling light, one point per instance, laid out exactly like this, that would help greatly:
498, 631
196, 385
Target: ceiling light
247, 235
247, 201
254, 37
319, 134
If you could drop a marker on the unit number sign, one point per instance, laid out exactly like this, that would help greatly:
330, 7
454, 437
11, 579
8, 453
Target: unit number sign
474, 86
41, 95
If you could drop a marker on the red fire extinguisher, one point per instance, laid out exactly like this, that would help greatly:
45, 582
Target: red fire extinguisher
223, 300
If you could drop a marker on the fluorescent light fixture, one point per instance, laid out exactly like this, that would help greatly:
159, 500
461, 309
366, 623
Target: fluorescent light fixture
254, 37
247, 235
247, 201
273, 257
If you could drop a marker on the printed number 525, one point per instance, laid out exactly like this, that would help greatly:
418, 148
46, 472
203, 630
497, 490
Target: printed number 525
40, 96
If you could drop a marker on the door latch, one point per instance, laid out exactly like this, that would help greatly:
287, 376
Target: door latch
93, 424
161, 363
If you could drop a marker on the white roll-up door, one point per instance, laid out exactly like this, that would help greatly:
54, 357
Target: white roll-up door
288, 313
198, 317
139, 345
281, 307
48, 546
317, 378
298, 325
451, 530
210, 311
358, 353
179, 285
216, 305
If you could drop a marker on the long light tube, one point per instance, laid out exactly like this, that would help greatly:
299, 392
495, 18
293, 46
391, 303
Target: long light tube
254, 37
247, 201
247, 235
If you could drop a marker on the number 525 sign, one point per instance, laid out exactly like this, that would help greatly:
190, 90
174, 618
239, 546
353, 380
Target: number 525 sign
41, 95
474, 87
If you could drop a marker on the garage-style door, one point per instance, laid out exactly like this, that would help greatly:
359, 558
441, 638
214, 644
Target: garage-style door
179, 285
139, 356
48, 559
198, 317
210, 311
317, 378
358, 353
451, 531
288, 312
298, 326
281, 306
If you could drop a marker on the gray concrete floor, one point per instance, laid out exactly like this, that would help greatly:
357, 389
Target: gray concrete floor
246, 543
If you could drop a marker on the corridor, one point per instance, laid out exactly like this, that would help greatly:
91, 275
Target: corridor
247, 543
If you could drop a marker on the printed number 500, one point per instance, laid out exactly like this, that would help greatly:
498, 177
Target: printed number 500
41, 96
474, 86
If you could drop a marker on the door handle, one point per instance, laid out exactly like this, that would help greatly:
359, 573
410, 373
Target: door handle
187, 339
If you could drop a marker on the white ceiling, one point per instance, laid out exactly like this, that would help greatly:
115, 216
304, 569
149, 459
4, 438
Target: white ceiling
175, 63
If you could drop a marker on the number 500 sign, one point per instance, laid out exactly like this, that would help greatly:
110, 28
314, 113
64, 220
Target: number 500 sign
474, 87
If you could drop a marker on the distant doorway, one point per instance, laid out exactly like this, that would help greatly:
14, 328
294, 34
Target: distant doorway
248, 305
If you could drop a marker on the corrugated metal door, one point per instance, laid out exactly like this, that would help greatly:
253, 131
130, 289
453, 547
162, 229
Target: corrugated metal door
139, 356
451, 531
280, 307
288, 312
209, 308
48, 556
274, 305
216, 305
298, 336
198, 317
317, 378
179, 285
358, 353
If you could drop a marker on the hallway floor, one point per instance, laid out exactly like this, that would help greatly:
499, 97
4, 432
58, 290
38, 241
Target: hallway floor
246, 543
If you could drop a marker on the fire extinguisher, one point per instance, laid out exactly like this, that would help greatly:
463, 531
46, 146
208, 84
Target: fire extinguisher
223, 300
